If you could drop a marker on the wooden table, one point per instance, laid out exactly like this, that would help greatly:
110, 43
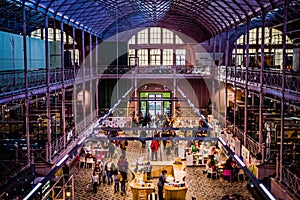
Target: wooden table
141, 192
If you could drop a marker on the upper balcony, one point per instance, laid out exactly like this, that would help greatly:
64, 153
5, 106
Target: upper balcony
271, 79
12, 83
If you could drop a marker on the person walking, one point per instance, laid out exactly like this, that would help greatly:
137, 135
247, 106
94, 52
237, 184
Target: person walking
161, 183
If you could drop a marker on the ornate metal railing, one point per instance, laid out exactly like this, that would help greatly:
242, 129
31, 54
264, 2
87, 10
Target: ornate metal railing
239, 133
120, 112
80, 127
271, 78
57, 147
252, 145
88, 119
291, 181
14, 82
40, 155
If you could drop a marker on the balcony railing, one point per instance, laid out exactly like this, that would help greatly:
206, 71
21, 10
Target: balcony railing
291, 181
272, 79
14, 82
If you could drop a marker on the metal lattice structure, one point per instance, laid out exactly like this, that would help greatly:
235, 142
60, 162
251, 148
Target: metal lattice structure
199, 19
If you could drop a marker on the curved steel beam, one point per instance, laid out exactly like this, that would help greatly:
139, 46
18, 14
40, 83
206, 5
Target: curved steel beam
220, 19
229, 5
241, 8
186, 8
229, 13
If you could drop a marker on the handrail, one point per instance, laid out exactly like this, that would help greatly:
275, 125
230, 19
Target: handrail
291, 181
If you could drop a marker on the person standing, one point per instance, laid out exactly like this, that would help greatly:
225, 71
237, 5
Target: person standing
109, 171
176, 146
95, 180
123, 179
154, 148
148, 170
116, 180
97, 169
161, 183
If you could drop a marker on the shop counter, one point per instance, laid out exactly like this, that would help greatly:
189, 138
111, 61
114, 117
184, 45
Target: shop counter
175, 193
175, 190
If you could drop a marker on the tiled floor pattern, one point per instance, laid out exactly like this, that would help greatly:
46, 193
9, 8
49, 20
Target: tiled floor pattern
199, 185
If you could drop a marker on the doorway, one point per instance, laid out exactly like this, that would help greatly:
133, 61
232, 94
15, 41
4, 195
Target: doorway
155, 103
155, 107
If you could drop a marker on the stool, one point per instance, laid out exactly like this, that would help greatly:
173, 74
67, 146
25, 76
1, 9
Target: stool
142, 195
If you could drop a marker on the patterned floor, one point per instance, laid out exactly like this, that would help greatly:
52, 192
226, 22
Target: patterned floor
199, 186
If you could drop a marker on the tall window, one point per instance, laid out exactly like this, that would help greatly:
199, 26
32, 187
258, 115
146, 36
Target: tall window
155, 35
55, 46
132, 40
143, 57
168, 37
178, 40
37, 34
168, 57
180, 56
273, 57
143, 37
156, 39
155, 57
131, 60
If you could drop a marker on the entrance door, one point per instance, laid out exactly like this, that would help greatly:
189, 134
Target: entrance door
155, 107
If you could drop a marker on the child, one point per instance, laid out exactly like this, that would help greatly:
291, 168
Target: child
95, 181
116, 180
103, 174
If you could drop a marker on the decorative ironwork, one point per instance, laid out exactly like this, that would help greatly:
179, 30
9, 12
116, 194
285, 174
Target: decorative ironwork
57, 147
252, 145
272, 79
291, 181
239, 133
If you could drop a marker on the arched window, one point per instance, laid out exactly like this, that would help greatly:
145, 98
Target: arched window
273, 49
55, 42
163, 46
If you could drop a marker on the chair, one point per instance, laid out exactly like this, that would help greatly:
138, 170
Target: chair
227, 172
211, 173
90, 161
241, 173
201, 160
82, 160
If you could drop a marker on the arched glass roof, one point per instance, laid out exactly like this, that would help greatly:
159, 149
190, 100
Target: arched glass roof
199, 19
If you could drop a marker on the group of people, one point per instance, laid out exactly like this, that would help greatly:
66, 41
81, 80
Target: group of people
106, 172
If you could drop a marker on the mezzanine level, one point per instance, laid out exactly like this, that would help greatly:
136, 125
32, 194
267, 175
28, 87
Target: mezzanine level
13, 84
